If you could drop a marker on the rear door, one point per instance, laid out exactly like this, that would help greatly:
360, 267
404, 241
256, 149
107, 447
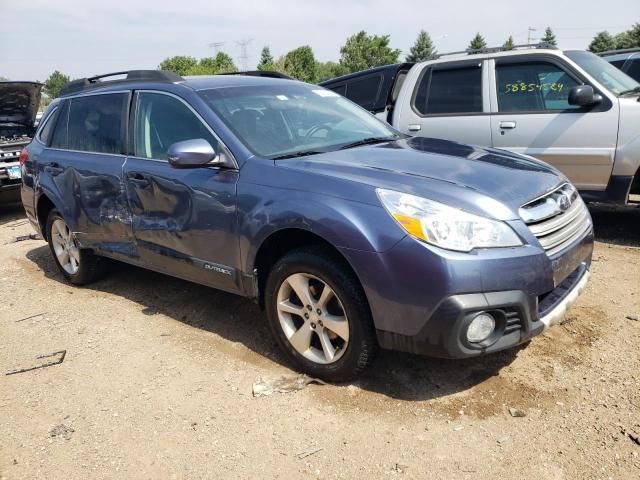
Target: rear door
532, 115
449, 100
184, 220
82, 168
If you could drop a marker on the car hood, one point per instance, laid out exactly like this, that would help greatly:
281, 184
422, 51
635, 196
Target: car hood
19, 102
485, 180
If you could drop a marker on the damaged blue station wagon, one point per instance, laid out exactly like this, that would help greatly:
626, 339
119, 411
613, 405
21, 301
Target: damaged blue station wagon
351, 235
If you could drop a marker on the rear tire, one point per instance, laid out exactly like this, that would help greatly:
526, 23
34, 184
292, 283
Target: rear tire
78, 266
328, 334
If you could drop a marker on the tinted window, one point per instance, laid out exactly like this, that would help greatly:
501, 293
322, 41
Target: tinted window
617, 63
633, 69
339, 89
602, 71
161, 121
59, 137
537, 86
95, 123
364, 91
450, 91
48, 126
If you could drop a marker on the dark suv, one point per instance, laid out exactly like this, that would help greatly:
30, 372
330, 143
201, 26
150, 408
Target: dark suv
351, 235
627, 60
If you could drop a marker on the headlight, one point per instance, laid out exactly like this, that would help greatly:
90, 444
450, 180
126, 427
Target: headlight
445, 226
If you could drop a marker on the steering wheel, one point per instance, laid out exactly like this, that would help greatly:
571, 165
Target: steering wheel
318, 128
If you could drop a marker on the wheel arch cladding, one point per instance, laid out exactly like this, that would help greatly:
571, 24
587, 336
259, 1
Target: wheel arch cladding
43, 208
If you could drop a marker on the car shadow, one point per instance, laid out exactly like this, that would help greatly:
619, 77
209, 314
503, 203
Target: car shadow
11, 212
619, 225
237, 319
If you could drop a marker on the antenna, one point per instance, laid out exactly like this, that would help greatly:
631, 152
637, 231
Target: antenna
244, 57
216, 47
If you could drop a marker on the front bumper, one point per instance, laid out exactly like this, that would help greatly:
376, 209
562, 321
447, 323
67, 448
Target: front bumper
423, 299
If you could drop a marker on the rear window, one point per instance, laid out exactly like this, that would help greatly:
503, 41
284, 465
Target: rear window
443, 91
365, 91
47, 127
95, 123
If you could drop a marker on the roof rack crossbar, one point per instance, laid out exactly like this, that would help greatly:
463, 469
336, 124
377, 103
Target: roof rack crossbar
81, 84
260, 73
493, 50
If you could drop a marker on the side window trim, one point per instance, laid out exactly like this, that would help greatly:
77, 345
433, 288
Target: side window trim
428, 70
133, 113
558, 62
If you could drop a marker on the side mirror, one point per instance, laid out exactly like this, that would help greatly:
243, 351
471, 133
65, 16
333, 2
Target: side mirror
192, 154
583, 96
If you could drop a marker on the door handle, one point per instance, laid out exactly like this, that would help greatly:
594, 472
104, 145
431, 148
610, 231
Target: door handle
138, 178
414, 127
54, 168
506, 125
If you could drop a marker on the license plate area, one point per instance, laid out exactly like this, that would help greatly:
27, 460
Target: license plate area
14, 172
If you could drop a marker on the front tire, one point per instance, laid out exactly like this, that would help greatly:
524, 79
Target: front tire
78, 266
319, 315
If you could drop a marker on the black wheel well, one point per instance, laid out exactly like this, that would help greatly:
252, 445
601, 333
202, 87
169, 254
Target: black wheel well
44, 207
284, 241
635, 184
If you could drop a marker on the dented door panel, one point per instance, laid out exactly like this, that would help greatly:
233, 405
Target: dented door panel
184, 221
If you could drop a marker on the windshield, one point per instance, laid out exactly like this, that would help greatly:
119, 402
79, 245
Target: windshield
289, 118
605, 73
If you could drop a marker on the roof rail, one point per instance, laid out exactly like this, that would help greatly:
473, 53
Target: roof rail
260, 73
620, 50
494, 50
82, 84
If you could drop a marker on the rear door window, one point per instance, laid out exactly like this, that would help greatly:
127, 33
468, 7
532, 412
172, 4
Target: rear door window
450, 91
46, 131
59, 137
533, 87
96, 123
365, 91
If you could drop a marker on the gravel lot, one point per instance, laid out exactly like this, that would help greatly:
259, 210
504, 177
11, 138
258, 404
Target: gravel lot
158, 374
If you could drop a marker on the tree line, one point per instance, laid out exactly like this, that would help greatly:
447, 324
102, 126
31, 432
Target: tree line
359, 52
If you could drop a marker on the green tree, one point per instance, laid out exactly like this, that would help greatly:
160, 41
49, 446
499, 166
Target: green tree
221, 63
624, 40
422, 49
509, 44
266, 60
477, 44
549, 37
301, 64
362, 51
3, 79
180, 64
634, 33
53, 85
327, 70
601, 42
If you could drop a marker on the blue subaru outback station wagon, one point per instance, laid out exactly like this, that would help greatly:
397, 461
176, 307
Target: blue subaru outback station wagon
351, 235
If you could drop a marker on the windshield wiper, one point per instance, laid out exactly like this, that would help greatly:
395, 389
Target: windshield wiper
631, 90
367, 141
302, 153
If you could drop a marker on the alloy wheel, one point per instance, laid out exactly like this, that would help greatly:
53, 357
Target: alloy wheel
65, 247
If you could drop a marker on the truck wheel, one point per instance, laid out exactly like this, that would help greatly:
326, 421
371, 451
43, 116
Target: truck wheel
78, 266
319, 315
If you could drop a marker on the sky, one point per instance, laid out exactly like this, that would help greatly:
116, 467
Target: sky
84, 38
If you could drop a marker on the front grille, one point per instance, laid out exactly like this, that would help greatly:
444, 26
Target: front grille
557, 219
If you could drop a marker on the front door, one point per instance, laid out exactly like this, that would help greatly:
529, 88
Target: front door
184, 220
532, 115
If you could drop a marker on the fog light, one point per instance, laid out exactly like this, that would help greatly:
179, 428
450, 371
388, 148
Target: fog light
481, 328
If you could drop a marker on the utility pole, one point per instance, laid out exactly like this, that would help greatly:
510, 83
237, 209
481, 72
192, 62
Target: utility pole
529, 37
216, 47
244, 57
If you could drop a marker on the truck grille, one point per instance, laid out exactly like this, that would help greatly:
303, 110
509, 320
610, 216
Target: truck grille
557, 219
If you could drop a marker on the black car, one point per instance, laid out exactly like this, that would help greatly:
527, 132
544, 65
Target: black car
627, 60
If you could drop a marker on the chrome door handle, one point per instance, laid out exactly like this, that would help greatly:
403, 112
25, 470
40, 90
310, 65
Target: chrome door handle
415, 127
507, 124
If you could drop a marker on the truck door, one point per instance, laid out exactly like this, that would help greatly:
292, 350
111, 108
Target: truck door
532, 115
446, 100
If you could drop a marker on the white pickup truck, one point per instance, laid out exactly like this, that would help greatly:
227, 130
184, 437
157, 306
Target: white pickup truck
571, 109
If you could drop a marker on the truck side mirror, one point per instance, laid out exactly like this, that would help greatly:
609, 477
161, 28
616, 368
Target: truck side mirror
583, 96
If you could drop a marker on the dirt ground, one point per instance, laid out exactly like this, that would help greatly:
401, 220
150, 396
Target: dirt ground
158, 374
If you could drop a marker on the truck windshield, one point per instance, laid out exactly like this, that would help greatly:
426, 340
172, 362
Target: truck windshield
605, 73
293, 119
